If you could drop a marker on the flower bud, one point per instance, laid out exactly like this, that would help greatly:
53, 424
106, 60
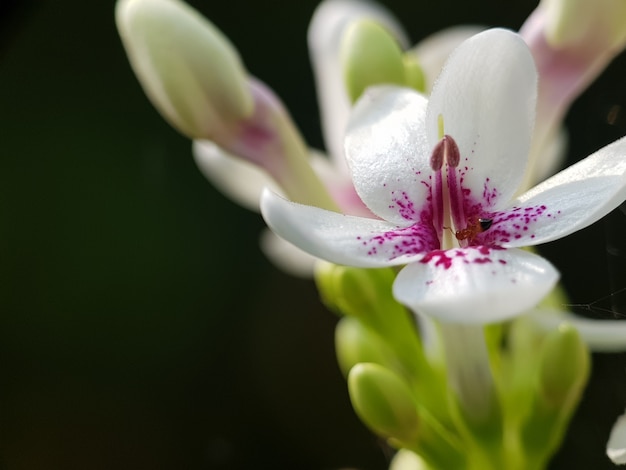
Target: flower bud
356, 343
572, 42
598, 24
384, 402
564, 368
365, 294
414, 76
370, 56
354, 291
563, 373
189, 70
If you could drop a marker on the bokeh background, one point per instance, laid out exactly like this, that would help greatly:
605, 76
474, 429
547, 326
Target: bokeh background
140, 327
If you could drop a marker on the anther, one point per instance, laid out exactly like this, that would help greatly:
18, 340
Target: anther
438, 155
451, 150
446, 150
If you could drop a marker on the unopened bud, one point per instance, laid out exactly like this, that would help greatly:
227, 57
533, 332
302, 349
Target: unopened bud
371, 56
189, 70
356, 343
384, 402
564, 367
600, 24
354, 291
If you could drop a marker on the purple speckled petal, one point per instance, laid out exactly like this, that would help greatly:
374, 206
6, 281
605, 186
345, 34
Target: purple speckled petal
344, 239
486, 95
475, 284
388, 155
570, 200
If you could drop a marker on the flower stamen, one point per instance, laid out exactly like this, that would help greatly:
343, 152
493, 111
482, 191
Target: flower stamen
447, 151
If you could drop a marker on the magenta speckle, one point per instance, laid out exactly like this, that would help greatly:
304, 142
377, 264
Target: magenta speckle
470, 255
403, 204
440, 258
413, 240
514, 224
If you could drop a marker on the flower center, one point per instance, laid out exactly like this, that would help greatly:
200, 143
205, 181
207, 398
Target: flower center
456, 229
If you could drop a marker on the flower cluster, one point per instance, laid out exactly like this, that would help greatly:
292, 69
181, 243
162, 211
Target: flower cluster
432, 154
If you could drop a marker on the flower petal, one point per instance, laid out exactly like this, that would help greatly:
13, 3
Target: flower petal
344, 239
616, 447
475, 284
574, 198
388, 154
287, 257
325, 32
606, 336
236, 178
486, 95
433, 51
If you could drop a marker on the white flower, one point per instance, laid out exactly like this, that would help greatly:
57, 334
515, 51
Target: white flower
441, 173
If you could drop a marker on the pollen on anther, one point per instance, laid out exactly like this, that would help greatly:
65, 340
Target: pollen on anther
437, 157
452, 152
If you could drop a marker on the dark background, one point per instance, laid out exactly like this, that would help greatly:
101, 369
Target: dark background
140, 327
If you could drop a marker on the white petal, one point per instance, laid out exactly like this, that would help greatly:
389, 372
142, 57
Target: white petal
325, 32
243, 182
344, 239
475, 284
388, 154
577, 196
486, 95
433, 51
287, 257
606, 336
236, 178
616, 447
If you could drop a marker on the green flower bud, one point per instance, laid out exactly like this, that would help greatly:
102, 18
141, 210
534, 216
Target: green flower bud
356, 343
564, 367
596, 25
413, 73
354, 291
384, 402
366, 295
189, 70
563, 373
370, 56
387, 405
